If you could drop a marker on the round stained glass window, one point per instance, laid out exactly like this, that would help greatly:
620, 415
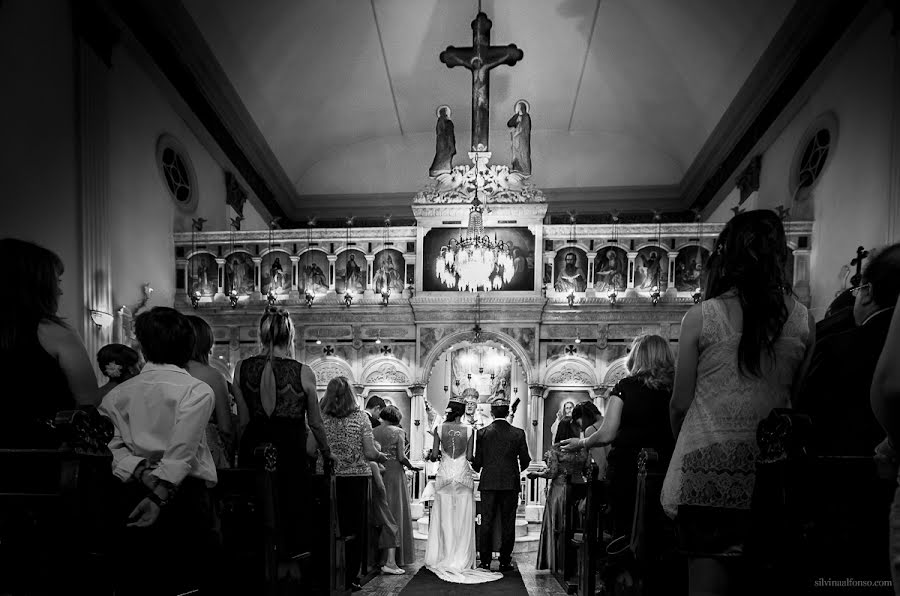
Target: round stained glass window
177, 172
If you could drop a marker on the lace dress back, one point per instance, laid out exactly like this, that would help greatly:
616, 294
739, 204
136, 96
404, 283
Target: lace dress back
714, 461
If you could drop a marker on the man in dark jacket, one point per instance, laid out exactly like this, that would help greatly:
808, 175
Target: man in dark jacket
374, 405
501, 454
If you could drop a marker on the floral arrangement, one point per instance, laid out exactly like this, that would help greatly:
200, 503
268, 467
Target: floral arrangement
113, 370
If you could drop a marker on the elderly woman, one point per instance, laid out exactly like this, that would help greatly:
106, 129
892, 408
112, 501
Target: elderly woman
562, 467
392, 439
349, 435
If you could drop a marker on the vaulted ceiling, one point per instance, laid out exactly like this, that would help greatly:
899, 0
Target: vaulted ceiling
624, 93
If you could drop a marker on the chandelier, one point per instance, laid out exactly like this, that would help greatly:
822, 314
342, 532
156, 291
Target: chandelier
475, 262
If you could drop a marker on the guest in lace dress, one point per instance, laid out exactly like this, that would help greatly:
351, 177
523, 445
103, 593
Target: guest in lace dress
219, 435
392, 439
43, 362
276, 398
118, 363
562, 468
740, 354
349, 434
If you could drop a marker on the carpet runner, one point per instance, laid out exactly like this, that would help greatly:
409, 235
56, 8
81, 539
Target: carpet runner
427, 583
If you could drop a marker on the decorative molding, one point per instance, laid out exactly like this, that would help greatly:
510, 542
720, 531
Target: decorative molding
325, 370
616, 372
567, 374
299, 236
387, 374
496, 211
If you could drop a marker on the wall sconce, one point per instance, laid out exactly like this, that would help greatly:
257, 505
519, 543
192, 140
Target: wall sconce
309, 299
233, 298
571, 298
612, 296
654, 295
271, 298
385, 296
457, 382
195, 299
101, 319
446, 388
348, 299
417, 422
515, 389
534, 423
697, 295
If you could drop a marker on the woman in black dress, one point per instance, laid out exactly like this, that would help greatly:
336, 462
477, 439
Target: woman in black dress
276, 399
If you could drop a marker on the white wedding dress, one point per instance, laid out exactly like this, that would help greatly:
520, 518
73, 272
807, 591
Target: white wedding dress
450, 553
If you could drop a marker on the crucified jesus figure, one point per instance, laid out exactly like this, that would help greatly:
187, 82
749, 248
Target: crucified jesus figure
480, 59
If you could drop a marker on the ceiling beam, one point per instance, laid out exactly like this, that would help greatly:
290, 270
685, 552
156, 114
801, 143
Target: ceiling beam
810, 31
170, 37
387, 70
587, 53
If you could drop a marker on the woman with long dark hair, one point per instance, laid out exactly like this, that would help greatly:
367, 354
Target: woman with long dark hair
742, 352
43, 362
276, 398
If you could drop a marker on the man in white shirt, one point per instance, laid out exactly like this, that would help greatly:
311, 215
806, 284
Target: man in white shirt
160, 454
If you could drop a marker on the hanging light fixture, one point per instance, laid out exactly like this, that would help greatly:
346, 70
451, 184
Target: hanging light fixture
577, 336
475, 262
614, 215
698, 292
348, 296
385, 282
318, 339
654, 290
233, 294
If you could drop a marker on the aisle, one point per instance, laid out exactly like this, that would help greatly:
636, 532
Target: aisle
534, 583
426, 583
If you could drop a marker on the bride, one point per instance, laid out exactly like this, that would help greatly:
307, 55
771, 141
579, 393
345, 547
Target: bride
450, 553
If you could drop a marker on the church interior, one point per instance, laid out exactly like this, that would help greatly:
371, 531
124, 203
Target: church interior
494, 222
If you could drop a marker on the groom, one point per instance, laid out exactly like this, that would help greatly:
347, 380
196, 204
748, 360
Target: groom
500, 455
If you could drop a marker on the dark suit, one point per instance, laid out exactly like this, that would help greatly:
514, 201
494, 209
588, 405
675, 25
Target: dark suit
836, 391
851, 503
501, 454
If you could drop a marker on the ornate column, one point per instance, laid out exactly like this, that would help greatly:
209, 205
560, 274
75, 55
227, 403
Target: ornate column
220, 279
536, 411
550, 259
257, 276
332, 273
800, 282
418, 422
370, 271
670, 285
631, 263
295, 277
590, 273
186, 275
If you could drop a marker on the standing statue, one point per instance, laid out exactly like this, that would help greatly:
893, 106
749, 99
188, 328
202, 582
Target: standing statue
520, 137
445, 145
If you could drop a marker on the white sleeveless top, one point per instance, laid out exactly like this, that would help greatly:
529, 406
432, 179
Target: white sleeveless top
714, 462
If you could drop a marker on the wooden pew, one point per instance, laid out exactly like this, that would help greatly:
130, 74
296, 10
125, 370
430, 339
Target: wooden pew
589, 542
251, 514
53, 531
566, 564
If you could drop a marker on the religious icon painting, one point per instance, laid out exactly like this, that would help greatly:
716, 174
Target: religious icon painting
651, 268
611, 269
350, 272
276, 272
239, 273
389, 270
570, 269
689, 266
520, 242
313, 277
203, 274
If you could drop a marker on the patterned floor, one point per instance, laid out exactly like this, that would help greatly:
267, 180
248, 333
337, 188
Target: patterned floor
538, 583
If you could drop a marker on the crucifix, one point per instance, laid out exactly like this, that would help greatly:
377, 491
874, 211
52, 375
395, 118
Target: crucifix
861, 254
480, 59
